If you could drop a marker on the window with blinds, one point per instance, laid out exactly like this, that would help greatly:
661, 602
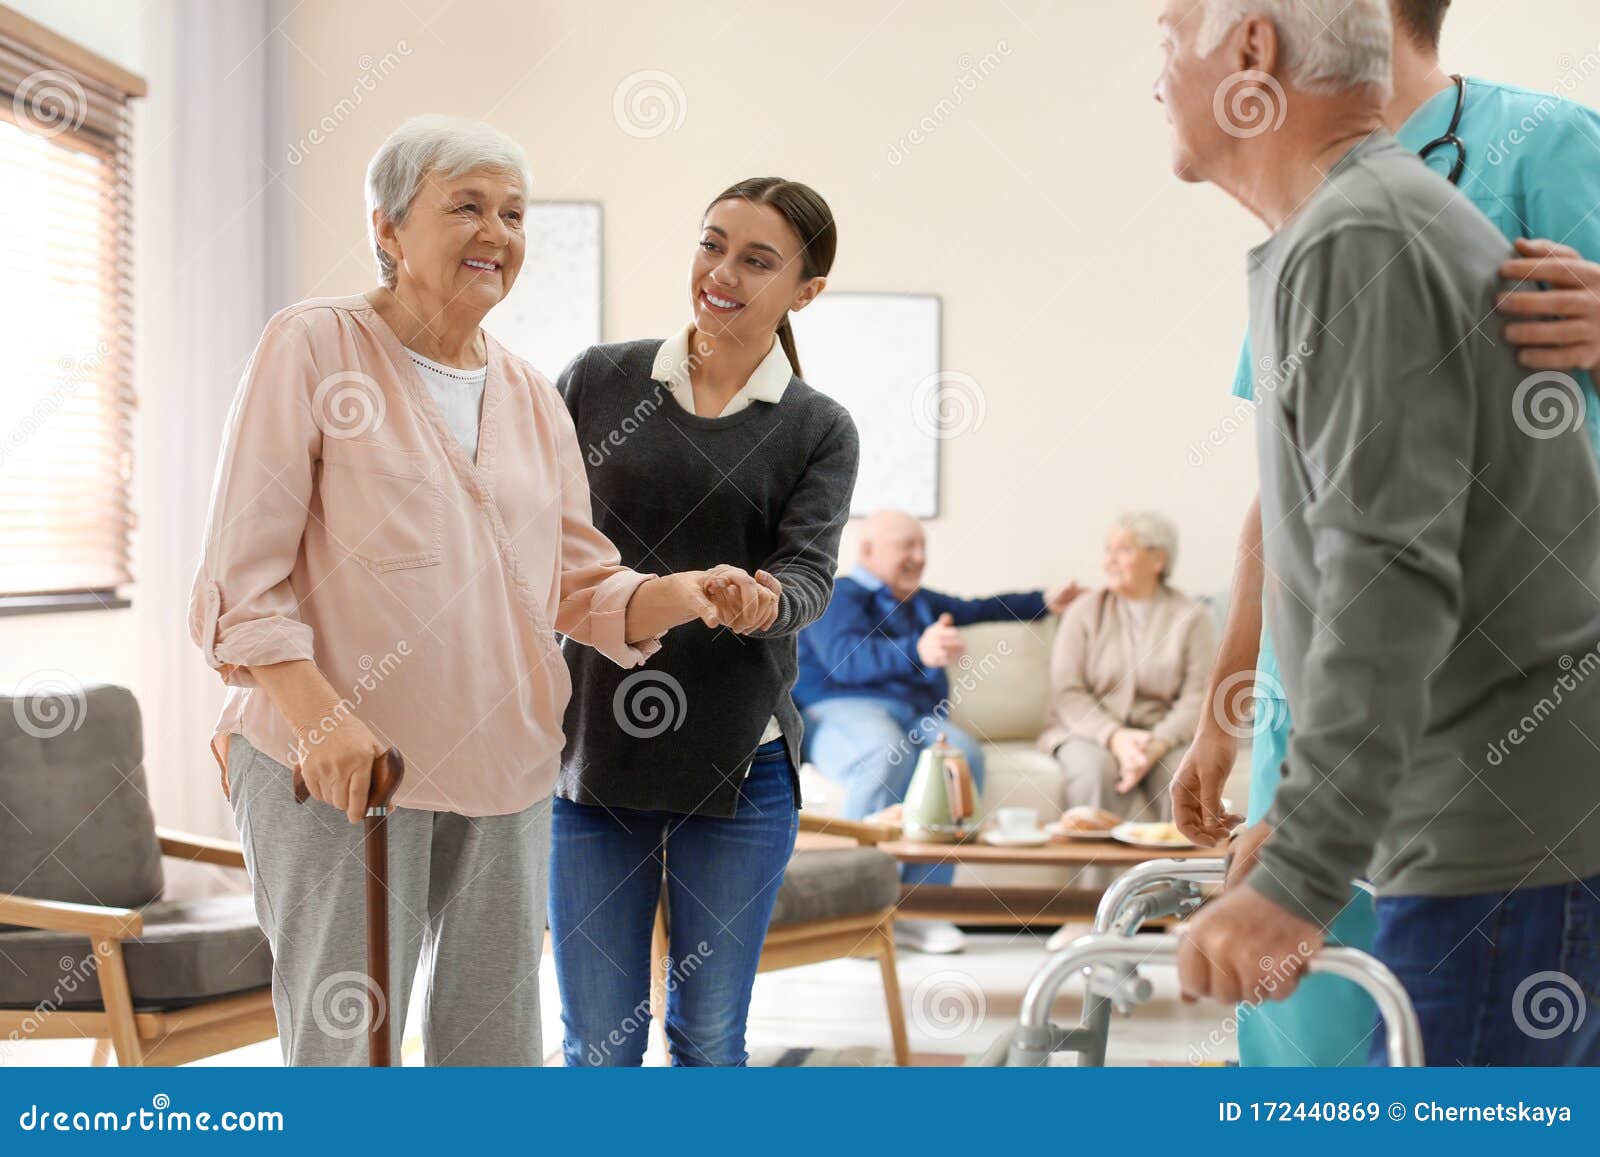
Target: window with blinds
66, 353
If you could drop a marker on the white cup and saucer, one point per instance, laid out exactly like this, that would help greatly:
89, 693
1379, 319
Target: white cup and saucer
1016, 827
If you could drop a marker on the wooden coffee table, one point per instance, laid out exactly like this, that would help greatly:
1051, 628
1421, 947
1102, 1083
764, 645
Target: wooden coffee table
964, 904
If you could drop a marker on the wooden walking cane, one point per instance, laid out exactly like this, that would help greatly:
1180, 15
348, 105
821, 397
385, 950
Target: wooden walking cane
387, 771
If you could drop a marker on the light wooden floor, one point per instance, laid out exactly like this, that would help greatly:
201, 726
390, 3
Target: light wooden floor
955, 1006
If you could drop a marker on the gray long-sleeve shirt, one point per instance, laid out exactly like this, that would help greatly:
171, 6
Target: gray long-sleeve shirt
1432, 548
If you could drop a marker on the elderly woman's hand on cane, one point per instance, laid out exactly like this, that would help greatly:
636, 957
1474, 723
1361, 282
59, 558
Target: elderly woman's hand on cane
336, 762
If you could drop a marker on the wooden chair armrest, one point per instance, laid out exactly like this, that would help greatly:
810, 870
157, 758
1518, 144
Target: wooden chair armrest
58, 916
200, 849
857, 830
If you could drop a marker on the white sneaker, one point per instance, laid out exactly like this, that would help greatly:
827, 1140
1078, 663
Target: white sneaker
936, 936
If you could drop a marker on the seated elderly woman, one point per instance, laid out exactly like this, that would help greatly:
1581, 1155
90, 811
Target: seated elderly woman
1128, 677
400, 525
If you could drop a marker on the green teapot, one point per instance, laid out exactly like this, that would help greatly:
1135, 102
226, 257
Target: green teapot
941, 805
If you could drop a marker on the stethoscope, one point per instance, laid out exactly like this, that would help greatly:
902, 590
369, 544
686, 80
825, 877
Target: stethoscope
1450, 137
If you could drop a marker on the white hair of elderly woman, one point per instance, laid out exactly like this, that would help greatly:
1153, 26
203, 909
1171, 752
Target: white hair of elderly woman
1329, 46
1153, 532
424, 144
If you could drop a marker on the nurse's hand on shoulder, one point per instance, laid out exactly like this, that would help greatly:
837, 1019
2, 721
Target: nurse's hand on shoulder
1563, 330
1243, 948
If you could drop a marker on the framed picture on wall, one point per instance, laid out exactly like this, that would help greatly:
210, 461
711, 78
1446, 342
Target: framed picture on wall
554, 310
879, 355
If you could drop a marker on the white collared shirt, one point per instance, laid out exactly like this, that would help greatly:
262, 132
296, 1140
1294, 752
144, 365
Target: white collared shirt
766, 384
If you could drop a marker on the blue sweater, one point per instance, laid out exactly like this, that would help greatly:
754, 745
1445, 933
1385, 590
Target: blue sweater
865, 643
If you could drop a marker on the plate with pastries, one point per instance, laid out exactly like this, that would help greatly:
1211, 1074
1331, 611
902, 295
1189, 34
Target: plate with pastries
1151, 835
1086, 823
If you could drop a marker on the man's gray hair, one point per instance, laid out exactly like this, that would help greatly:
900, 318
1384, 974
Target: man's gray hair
1153, 532
449, 145
1328, 46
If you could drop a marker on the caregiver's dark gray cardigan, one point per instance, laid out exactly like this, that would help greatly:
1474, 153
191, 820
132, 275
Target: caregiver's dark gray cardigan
767, 487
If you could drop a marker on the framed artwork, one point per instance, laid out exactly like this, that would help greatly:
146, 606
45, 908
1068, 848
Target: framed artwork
554, 310
878, 354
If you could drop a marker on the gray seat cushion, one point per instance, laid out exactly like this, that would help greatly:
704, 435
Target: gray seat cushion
191, 950
75, 820
829, 883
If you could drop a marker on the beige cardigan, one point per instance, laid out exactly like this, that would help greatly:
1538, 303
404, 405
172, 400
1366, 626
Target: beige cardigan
1099, 680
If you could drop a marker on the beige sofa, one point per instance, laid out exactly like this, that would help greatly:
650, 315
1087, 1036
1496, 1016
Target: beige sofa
1000, 697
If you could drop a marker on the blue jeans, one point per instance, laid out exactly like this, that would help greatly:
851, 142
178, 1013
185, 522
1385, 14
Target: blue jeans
722, 878
1506, 978
870, 746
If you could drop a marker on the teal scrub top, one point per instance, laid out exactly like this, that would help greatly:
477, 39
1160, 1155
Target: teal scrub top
1533, 168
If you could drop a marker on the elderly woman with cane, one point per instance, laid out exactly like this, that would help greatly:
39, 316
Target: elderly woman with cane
400, 524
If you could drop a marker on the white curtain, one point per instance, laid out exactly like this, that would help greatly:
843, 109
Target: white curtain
214, 256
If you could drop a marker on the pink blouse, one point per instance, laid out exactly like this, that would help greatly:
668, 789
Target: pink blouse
349, 527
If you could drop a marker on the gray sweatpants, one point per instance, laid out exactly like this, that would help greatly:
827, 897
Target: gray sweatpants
467, 897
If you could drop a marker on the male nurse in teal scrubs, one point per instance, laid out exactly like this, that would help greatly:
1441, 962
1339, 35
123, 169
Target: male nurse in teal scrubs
1531, 162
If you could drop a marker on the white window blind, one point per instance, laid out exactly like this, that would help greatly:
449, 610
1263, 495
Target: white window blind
66, 355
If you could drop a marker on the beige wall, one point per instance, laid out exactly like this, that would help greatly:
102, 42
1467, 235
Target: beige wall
1097, 302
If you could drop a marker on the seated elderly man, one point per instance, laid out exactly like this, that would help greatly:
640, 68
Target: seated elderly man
872, 683
1128, 677
1432, 553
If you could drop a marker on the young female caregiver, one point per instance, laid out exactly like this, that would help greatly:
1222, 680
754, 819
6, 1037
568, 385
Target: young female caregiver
701, 448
